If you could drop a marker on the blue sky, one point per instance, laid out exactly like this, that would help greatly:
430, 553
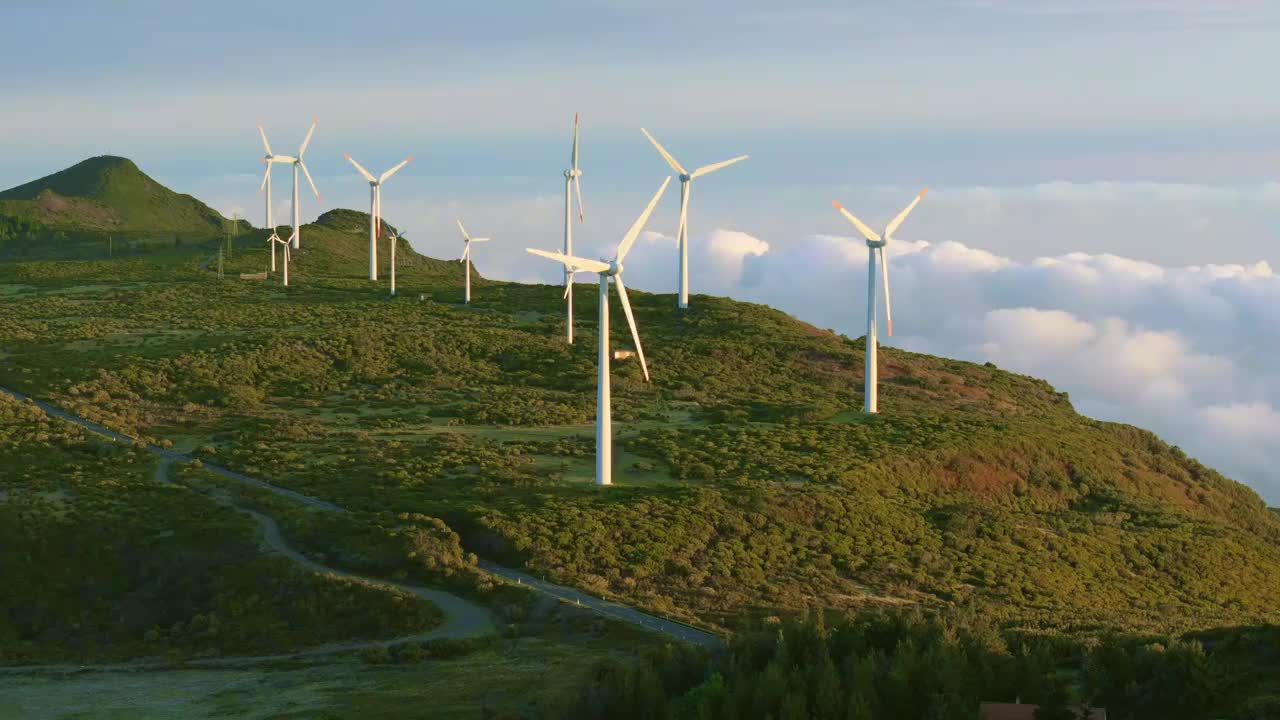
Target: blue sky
1055, 133
826, 96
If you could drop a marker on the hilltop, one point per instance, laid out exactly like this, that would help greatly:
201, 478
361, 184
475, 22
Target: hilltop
71, 212
336, 246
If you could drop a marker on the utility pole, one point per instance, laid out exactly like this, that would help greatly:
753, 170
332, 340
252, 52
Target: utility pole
235, 234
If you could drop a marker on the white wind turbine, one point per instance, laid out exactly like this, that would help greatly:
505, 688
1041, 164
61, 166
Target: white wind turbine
375, 208
682, 234
296, 237
269, 158
606, 270
466, 258
571, 178
876, 243
276, 239
395, 240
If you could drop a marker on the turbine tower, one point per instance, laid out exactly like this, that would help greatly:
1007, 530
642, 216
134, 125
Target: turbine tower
375, 208
571, 178
682, 234
269, 158
875, 244
606, 270
466, 258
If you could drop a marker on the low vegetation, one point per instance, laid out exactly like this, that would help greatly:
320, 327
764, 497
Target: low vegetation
103, 562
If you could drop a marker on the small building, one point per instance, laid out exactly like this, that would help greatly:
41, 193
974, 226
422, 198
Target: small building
622, 354
1021, 711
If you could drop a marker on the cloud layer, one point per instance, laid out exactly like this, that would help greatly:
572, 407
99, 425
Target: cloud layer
1189, 352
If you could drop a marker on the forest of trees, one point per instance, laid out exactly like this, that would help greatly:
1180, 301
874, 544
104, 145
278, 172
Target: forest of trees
913, 666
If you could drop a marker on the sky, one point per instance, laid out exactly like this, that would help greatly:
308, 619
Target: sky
1105, 174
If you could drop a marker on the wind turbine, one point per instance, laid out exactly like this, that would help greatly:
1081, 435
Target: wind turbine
571, 178
876, 243
269, 158
394, 241
296, 237
682, 234
375, 209
606, 270
466, 258
276, 239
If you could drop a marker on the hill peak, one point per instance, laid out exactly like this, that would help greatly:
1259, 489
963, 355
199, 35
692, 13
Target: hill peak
92, 178
109, 194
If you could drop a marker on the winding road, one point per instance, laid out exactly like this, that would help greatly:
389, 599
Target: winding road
463, 618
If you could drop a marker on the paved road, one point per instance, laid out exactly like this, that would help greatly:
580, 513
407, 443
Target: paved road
607, 608
463, 619
576, 597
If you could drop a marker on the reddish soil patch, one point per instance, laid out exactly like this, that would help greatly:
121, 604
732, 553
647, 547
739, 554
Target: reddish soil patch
982, 478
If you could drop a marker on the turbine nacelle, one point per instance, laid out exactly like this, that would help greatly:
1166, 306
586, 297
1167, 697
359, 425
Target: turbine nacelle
685, 177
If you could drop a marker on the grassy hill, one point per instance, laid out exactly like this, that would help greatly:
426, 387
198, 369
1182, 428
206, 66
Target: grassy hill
71, 213
749, 484
336, 248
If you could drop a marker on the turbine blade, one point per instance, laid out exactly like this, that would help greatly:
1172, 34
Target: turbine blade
631, 321
577, 186
367, 175
265, 175
573, 158
307, 140
310, 182
893, 225
708, 169
476, 240
465, 235
574, 263
665, 155
265, 144
466, 251
394, 170
630, 238
867, 232
888, 311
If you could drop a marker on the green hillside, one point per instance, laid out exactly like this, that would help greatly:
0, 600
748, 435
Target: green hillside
72, 212
751, 491
749, 482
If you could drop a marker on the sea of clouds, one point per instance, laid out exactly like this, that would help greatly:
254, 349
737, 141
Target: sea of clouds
1189, 352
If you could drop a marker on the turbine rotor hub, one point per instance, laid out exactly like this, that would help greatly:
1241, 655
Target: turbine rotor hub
685, 177
615, 269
